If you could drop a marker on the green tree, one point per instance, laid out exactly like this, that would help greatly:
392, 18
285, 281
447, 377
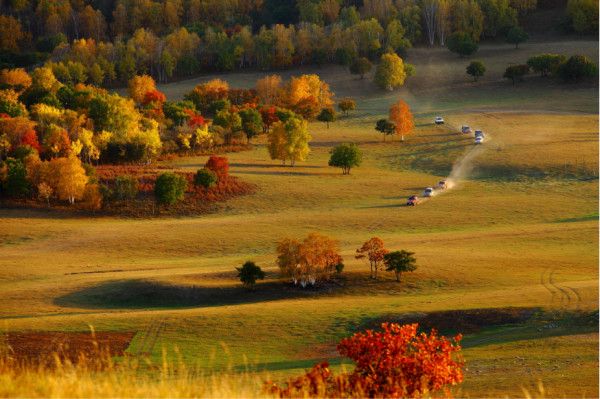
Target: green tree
390, 72
583, 15
205, 178
252, 123
516, 35
126, 187
327, 115
399, 262
361, 66
516, 72
461, 44
576, 68
546, 64
169, 188
345, 156
386, 127
476, 69
16, 183
249, 273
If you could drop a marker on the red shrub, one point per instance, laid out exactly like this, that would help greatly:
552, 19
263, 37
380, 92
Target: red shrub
30, 138
194, 119
154, 96
219, 165
395, 362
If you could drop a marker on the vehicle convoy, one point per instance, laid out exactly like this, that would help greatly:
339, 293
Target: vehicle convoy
439, 120
428, 192
412, 200
465, 129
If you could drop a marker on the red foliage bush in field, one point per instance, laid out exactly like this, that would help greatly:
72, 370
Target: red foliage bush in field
395, 362
219, 165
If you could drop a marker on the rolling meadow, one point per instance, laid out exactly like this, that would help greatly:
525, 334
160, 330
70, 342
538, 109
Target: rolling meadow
508, 256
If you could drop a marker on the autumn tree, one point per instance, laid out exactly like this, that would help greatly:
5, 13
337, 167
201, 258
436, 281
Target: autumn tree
402, 118
374, 251
347, 104
390, 72
476, 69
309, 262
361, 66
139, 86
17, 79
327, 115
206, 93
307, 95
269, 89
289, 140
249, 273
11, 33
345, 156
68, 178
400, 262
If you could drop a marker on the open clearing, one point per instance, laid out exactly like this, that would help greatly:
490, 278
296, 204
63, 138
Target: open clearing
520, 231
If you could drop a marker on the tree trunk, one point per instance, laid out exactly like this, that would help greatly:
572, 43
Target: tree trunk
398, 276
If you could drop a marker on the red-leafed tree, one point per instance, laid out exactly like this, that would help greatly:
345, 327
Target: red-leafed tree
30, 138
374, 251
269, 116
219, 165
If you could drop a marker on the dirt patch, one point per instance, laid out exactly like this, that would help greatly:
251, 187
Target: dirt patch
43, 347
464, 321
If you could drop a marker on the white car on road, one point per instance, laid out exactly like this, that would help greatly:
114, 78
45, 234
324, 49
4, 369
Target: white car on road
428, 192
479, 140
439, 120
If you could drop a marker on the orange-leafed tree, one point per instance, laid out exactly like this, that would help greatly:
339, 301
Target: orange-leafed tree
308, 95
139, 86
311, 261
205, 94
403, 119
17, 79
373, 250
67, 178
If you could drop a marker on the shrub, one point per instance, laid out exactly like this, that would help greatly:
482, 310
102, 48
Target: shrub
476, 69
169, 188
461, 44
126, 188
345, 156
219, 165
205, 178
396, 362
546, 64
576, 68
249, 273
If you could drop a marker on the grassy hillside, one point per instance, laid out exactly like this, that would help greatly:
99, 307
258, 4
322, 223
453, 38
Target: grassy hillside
519, 229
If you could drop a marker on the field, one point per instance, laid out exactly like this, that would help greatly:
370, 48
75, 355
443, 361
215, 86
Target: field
509, 255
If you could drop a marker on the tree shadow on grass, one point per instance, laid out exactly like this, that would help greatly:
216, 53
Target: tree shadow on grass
140, 294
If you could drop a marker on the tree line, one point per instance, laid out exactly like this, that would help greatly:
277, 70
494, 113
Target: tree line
104, 42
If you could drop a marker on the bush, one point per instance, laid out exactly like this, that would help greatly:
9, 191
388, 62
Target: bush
345, 156
126, 188
219, 165
205, 178
546, 64
394, 362
576, 68
169, 188
461, 44
476, 69
249, 273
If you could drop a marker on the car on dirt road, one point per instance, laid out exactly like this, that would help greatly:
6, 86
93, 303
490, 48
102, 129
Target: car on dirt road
428, 192
479, 133
479, 140
412, 200
442, 185
439, 120
465, 129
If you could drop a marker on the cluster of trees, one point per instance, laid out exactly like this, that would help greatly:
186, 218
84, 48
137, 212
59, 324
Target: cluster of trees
104, 41
374, 251
572, 69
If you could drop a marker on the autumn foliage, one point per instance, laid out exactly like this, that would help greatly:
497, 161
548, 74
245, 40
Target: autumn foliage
401, 116
374, 251
219, 165
395, 362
